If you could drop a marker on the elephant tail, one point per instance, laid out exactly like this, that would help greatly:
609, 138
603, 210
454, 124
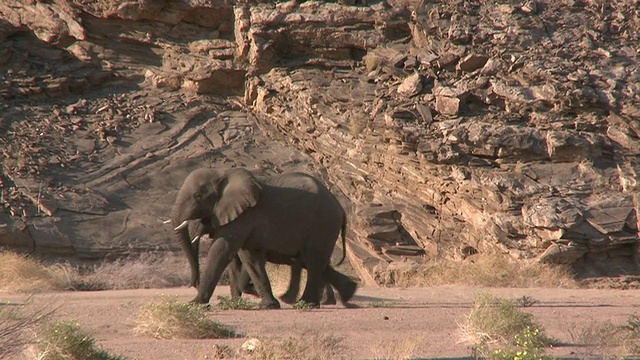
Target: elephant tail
343, 232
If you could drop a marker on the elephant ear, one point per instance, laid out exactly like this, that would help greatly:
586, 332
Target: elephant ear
239, 190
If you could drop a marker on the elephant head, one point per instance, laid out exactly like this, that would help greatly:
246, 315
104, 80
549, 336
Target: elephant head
215, 198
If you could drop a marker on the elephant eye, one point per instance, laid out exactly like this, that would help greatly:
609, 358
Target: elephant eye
197, 196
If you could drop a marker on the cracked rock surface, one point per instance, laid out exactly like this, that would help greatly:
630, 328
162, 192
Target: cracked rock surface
445, 128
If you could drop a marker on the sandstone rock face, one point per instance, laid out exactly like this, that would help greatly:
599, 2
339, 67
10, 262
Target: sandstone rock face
445, 129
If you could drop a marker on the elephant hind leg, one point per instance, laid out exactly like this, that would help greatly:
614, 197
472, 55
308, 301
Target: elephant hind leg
291, 295
234, 269
328, 297
345, 286
254, 261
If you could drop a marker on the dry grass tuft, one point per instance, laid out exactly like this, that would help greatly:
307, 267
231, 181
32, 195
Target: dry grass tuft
491, 270
170, 319
21, 273
398, 350
307, 346
371, 61
143, 271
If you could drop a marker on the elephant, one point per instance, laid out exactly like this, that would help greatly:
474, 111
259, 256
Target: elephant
241, 281
290, 214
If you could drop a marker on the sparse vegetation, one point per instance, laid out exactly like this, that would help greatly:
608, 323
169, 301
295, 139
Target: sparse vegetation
302, 305
66, 341
21, 273
307, 346
229, 303
378, 304
526, 301
26, 274
371, 61
498, 328
485, 270
15, 321
399, 349
170, 319
606, 340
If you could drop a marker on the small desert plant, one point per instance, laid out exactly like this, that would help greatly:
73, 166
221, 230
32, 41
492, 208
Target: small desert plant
496, 323
229, 303
15, 321
371, 61
526, 301
632, 328
66, 341
223, 351
485, 270
527, 346
606, 340
307, 346
379, 304
170, 319
302, 305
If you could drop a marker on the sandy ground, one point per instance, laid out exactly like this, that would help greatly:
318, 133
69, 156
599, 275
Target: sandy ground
425, 317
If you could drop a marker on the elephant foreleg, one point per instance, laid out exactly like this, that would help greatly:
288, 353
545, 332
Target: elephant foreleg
255, 261
220, 254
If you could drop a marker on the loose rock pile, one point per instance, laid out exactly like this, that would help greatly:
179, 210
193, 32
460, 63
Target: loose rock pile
449, 128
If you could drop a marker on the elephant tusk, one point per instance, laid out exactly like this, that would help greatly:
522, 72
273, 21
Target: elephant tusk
195, 239
181, 226
166, 221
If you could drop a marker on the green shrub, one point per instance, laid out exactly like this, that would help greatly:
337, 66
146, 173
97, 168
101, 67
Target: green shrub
529, 345
229, 303
66, 341
498, 328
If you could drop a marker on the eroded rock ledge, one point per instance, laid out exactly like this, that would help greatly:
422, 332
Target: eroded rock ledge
449, 129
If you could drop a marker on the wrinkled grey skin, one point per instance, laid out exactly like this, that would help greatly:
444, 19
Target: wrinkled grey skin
292, 214
241, 281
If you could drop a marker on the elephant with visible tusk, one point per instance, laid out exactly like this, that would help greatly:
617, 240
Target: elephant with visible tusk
240, 281
293, 215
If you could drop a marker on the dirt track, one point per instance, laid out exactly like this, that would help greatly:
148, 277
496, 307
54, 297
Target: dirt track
428, 315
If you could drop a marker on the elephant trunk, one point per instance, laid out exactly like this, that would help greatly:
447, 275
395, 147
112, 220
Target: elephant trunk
189, 249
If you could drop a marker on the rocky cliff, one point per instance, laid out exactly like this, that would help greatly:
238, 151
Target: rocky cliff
446, 128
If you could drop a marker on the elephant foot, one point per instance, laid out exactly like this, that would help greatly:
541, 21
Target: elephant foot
328, 297
288, 298
251, 290
198, 301
272, 304
329, 301
346, 292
